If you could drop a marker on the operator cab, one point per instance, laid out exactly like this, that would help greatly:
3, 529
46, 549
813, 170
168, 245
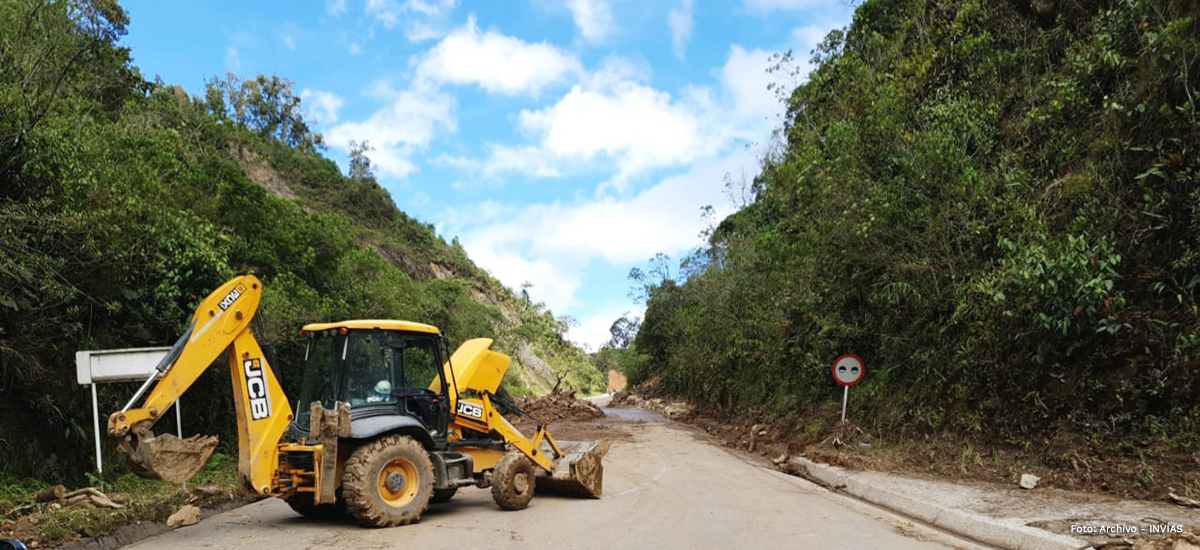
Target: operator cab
381, 368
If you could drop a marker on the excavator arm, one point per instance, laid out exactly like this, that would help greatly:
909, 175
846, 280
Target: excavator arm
221, 325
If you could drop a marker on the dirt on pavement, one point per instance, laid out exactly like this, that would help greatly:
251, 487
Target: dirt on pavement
559, 406
1078, 474
665, 486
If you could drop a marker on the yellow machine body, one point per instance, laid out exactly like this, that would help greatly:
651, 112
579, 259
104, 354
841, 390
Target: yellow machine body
269, 465
221, 323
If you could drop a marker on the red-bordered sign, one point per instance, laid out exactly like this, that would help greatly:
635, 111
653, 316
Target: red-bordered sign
849, 370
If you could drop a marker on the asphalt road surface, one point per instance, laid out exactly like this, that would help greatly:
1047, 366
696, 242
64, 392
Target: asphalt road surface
666, 485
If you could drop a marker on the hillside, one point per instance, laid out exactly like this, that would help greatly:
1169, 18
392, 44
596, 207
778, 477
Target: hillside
995, 204
124, 201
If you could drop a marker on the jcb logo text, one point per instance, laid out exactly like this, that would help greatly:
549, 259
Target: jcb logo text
256, 390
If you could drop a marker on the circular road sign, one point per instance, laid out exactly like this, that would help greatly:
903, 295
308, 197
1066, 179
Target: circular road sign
848, 370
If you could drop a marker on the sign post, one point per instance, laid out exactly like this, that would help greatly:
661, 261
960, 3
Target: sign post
117, 365
848, 371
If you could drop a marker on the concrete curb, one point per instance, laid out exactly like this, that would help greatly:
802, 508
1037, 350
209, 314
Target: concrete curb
965, 524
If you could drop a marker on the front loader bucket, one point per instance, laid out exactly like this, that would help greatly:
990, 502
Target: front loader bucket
579, 472
167, 457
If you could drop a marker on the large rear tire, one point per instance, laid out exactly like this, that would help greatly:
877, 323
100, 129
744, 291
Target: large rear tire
302, 503
388, 482
512, 482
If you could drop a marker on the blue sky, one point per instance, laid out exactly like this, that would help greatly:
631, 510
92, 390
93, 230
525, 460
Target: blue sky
563, 142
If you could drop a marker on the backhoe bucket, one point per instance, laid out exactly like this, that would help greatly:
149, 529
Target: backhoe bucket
578, 472
167, 457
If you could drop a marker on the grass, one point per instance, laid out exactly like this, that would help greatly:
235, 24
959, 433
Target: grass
151, 501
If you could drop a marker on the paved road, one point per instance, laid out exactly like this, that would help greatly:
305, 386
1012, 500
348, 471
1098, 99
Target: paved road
666, 486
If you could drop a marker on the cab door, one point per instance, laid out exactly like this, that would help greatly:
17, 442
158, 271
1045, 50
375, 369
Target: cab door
422, 390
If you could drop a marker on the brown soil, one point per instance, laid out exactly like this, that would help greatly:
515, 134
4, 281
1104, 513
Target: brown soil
583, 430
616, 380
260, 172
647, 390
1066, 462
567, 418
171, 459
559, 406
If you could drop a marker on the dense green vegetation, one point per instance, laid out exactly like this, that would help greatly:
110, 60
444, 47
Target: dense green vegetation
123, 201
995, 203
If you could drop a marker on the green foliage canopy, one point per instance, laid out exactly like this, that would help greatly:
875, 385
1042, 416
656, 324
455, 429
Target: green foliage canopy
994, 203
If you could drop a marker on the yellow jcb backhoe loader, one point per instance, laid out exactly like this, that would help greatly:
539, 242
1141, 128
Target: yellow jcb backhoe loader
388, 421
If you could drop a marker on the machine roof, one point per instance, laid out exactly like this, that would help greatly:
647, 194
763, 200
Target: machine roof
369, 324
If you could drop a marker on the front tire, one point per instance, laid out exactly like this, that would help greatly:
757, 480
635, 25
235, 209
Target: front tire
512, 482
388, 482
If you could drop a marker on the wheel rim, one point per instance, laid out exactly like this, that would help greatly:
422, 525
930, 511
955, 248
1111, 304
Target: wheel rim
521, 482
399, 482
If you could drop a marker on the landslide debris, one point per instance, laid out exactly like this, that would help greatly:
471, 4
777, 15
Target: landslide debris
559, 406
650, 395
127, 509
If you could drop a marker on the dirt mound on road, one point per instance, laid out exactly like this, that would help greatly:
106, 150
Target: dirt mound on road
646, 390
560, 406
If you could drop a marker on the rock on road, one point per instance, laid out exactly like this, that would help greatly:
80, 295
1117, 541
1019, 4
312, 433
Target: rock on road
666, 485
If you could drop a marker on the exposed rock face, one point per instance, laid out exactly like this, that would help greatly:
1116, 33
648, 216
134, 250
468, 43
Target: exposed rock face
261, 172
616, 380
538, 373
441, 271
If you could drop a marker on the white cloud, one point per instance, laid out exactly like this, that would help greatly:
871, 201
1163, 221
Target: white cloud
550, 283
423, 19
354, 48
495, 62
594, 18
419, 199
526, 160
399, 130
551, 244
232, 59
432, 8
615, 122
323, 106
615, 116
637, 125
291, 34
809, 36
503, 159
806, 39
593, 330
745, 77
384, 11
679, 20
335, 7
783, 5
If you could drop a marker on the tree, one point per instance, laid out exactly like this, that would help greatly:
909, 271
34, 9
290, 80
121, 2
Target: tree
360, 164
50, 49
657, 275
267, 105
624, 331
